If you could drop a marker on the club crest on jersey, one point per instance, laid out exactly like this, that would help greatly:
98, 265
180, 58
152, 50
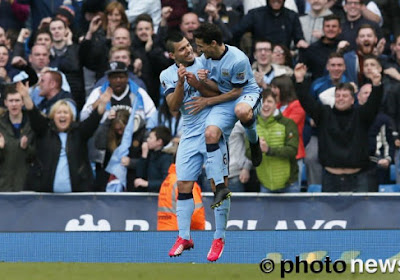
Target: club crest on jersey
225, 72
240, 76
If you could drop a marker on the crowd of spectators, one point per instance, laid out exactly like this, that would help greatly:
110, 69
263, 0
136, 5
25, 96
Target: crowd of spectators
329, 72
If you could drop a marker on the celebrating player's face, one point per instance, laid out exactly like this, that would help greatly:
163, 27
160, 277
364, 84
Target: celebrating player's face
208, 50
183, 52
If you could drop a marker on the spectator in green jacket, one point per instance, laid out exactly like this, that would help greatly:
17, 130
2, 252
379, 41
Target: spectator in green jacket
279, 140
16, 147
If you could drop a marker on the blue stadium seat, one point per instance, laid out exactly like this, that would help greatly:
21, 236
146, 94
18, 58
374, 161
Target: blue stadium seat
389, 188
393, 173
314, 188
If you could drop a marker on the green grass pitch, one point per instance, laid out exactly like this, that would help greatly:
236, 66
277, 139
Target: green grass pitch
163, 271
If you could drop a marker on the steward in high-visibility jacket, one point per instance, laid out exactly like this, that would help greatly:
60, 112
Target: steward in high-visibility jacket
167, 198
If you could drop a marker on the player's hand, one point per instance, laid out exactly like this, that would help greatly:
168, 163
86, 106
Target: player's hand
23, 143
2, 141
181, 74
202, 74
192, 80
196, 105
125, 161
244, 176
263, 145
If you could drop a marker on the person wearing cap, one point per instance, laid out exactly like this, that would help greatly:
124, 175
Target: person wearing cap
61, 162
124, 92
66, 13
123, 54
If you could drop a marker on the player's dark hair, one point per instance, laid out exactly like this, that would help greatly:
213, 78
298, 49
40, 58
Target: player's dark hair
208, 32
162, 133
173, 37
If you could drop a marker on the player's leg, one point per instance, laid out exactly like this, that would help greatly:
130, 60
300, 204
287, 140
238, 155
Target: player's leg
246, 111
184, 212
189, 162
215, 164
221, 213
220, 120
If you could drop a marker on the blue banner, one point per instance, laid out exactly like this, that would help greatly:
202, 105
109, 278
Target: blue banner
138, 212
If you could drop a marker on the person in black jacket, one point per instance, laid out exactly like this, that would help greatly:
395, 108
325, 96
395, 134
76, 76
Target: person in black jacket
273, 22
61, 163
343, 132
150, 50
153, 167
65, 56
381, 143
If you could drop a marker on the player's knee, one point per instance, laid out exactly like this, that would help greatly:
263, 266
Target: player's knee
212, 134
185, 186
243, 112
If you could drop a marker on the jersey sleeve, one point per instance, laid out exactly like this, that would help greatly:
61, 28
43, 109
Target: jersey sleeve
166, 81
241, 73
